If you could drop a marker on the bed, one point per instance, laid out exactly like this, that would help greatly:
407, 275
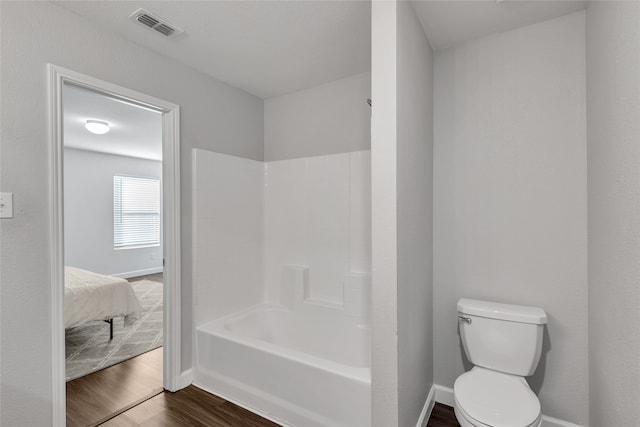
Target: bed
90, 296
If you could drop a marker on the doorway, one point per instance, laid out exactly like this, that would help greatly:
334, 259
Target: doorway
160, 244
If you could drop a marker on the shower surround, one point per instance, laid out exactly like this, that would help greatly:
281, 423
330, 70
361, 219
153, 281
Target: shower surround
282, 286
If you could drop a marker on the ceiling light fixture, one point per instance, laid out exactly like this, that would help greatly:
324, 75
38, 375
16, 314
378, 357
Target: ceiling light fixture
98, 127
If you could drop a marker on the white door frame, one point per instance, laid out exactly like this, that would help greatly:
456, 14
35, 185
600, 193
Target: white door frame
171, 226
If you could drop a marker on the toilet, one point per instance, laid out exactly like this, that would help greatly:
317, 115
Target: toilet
504, 343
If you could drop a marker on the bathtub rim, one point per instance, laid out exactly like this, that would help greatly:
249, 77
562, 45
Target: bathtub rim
217, 328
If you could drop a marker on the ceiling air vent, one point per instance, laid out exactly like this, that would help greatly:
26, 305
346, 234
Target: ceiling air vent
154, 22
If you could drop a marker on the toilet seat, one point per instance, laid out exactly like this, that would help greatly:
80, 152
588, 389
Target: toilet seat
486, 398
465, 420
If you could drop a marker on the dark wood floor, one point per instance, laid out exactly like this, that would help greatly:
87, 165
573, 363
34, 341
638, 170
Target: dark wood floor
442, 416
96, 397
188, 407
195, 407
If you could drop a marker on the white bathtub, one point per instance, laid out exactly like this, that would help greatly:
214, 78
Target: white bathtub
298, 368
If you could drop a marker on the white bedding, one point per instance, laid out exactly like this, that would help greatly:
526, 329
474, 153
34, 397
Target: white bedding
90, 296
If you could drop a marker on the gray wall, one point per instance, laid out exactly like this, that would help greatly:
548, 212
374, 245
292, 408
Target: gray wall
328, 119
214, 117
613, 95
88, 214
402, 154
510, 196
384, 276
415, 209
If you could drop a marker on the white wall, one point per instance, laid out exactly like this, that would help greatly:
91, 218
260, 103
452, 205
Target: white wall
318, 215
228, 229
327, 119
613, 95
402, 150
88, 214
415, 211
510, 196
213, 116
253, 219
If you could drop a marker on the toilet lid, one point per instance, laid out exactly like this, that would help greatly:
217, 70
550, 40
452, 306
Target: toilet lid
496, 399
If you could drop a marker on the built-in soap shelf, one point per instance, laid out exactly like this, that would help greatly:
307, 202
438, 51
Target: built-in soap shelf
356, 296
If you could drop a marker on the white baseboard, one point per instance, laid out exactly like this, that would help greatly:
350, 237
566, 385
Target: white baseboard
428, 407
444, 395
186, 379
554, 422
137, 273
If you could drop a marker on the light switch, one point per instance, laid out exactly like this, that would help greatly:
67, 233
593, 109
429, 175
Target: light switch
6, 205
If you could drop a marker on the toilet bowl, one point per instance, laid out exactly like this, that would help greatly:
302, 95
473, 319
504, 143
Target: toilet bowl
485, 398
504, 343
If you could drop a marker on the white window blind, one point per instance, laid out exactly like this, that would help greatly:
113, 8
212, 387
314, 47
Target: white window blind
136, 212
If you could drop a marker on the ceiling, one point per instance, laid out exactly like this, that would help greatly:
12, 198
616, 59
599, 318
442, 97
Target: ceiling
135, 131
267, 48
448, 23
270, 48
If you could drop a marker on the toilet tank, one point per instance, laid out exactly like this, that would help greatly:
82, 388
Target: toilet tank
501, 337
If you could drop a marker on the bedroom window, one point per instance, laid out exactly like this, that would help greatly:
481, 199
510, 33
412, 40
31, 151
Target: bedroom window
136, 212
